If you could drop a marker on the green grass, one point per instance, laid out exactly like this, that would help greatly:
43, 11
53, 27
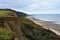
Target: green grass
5, 34
4, 12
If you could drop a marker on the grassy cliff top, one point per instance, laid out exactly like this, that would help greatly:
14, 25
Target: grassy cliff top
10, 12
6, 13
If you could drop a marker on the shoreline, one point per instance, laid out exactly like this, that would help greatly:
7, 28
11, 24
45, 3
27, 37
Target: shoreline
47, 25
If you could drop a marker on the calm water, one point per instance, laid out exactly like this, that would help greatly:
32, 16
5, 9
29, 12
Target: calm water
55, 18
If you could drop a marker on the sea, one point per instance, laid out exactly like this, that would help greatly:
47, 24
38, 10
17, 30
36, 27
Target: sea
55, 18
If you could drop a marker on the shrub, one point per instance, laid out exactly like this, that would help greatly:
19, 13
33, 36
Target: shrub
6, 34
36, 32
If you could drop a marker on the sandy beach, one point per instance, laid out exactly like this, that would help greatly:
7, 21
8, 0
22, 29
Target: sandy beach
47, 25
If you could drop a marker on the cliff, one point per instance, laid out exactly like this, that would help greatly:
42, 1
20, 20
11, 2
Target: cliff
24, 28
17, 12
11, 21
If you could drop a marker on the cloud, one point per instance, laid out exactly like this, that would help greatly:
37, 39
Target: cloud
44, 12
32, 6
44, 6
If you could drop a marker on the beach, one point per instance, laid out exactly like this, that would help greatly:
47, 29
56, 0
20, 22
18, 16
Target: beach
47, 25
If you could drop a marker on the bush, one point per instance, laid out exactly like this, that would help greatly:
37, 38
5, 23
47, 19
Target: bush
6, 34
33, 31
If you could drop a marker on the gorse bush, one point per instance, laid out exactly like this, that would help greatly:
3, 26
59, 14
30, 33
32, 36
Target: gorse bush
6, 34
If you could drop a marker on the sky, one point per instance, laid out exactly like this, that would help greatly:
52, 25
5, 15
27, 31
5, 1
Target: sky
33, 6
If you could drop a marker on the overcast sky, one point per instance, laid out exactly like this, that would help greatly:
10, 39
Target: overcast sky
33, 6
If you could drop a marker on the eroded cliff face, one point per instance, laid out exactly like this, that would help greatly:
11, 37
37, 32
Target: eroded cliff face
12, 23
15, 26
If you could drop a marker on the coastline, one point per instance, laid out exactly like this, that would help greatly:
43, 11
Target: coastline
47, 25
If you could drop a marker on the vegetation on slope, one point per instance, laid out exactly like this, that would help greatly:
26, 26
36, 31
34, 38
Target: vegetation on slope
6, 34
5, 14
3, 11
30, 30
33, 31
